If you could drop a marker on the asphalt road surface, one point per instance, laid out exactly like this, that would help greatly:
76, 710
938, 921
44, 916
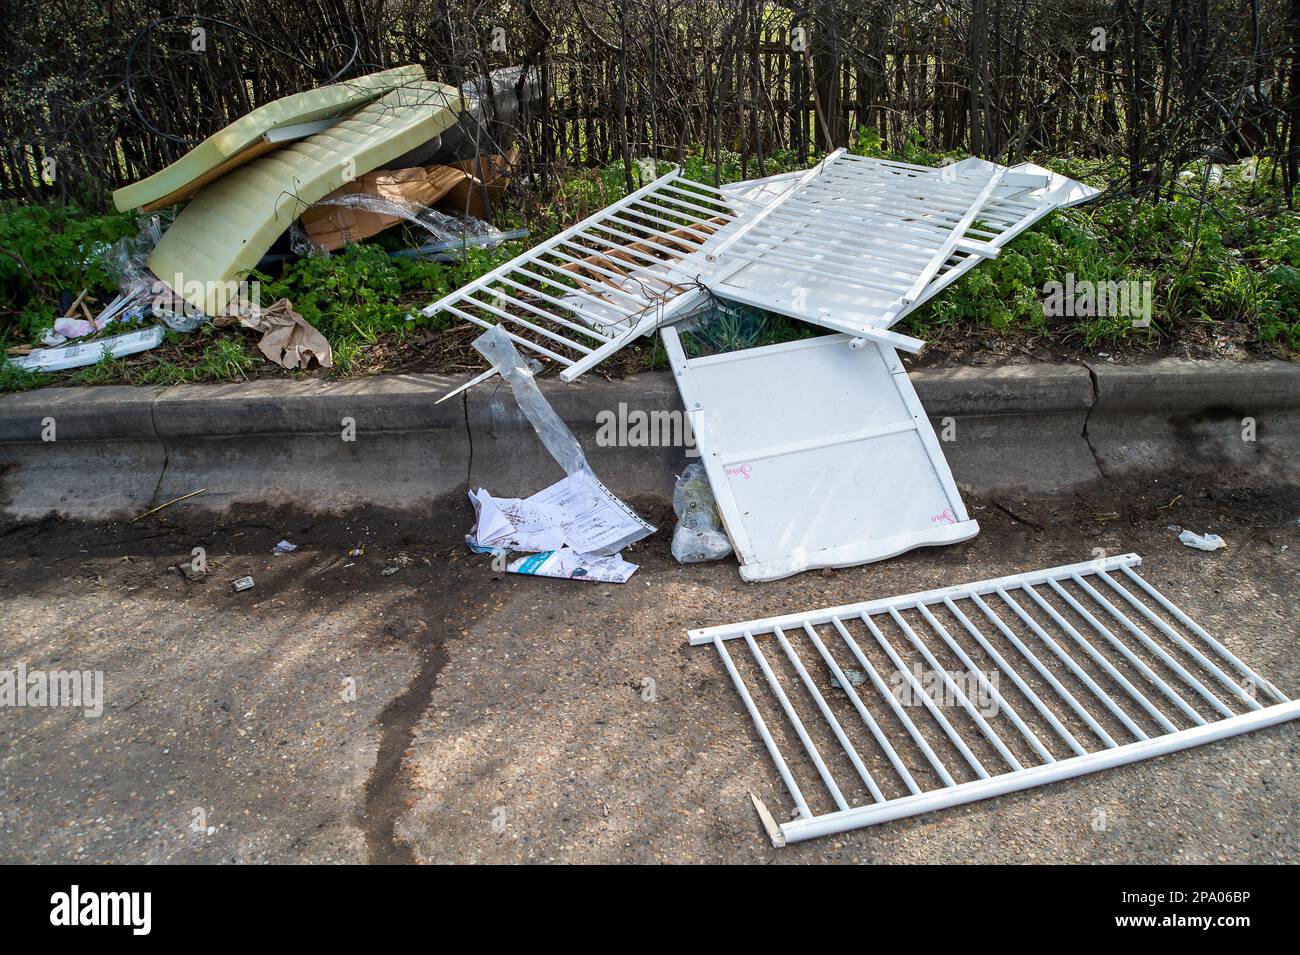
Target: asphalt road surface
446, 711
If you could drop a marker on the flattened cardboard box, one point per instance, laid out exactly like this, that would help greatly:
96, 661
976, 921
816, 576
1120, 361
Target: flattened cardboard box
453, 189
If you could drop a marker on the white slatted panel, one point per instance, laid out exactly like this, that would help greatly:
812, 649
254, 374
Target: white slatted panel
593, 288
982, 689
852, 244
855, 245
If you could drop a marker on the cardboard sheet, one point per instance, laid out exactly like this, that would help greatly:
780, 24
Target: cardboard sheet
331, 227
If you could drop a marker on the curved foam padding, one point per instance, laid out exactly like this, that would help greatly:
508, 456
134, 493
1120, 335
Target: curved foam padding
228, 227
224, 146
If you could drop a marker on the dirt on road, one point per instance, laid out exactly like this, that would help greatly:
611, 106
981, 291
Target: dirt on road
381, 694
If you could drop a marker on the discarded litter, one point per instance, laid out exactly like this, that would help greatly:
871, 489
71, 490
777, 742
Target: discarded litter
578, 514
284, 547
230, 224
576, 527
426, 197
450, 250
248, 137
331, 165
243, 583
855, 677
396, 564
568, 564
841, 470
1202, 541
506, 524
88, 353
992, 745
287, 339
591, 518
699, 535
582, 295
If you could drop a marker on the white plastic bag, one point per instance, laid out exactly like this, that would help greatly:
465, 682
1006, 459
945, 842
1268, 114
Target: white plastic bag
699, 535
1202, 541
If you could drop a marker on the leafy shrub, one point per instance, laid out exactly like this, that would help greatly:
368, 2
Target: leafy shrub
46, 251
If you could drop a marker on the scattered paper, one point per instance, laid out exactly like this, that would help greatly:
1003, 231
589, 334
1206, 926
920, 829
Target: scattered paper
284, 547
568, 564
579, 513
513, 524
577, 526
1202, 541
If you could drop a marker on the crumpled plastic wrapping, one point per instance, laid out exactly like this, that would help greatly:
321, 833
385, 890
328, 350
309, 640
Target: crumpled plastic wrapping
127, 259
699, 535
141, 291
495, 345
448, 202
438, 224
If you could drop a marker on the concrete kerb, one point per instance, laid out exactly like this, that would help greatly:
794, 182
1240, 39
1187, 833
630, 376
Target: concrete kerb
1200, 417
328, 445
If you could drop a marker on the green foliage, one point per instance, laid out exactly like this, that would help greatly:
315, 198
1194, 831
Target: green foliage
866, 141
107, 371
726, 328
359, 294
1281, 318
1215, 263
224, 360
1235, 259
13, 378
48, 250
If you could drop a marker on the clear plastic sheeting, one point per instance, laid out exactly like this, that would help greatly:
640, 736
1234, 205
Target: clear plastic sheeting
699, 535
555, 434
450, 250
440, 225
496, 347
127, 259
